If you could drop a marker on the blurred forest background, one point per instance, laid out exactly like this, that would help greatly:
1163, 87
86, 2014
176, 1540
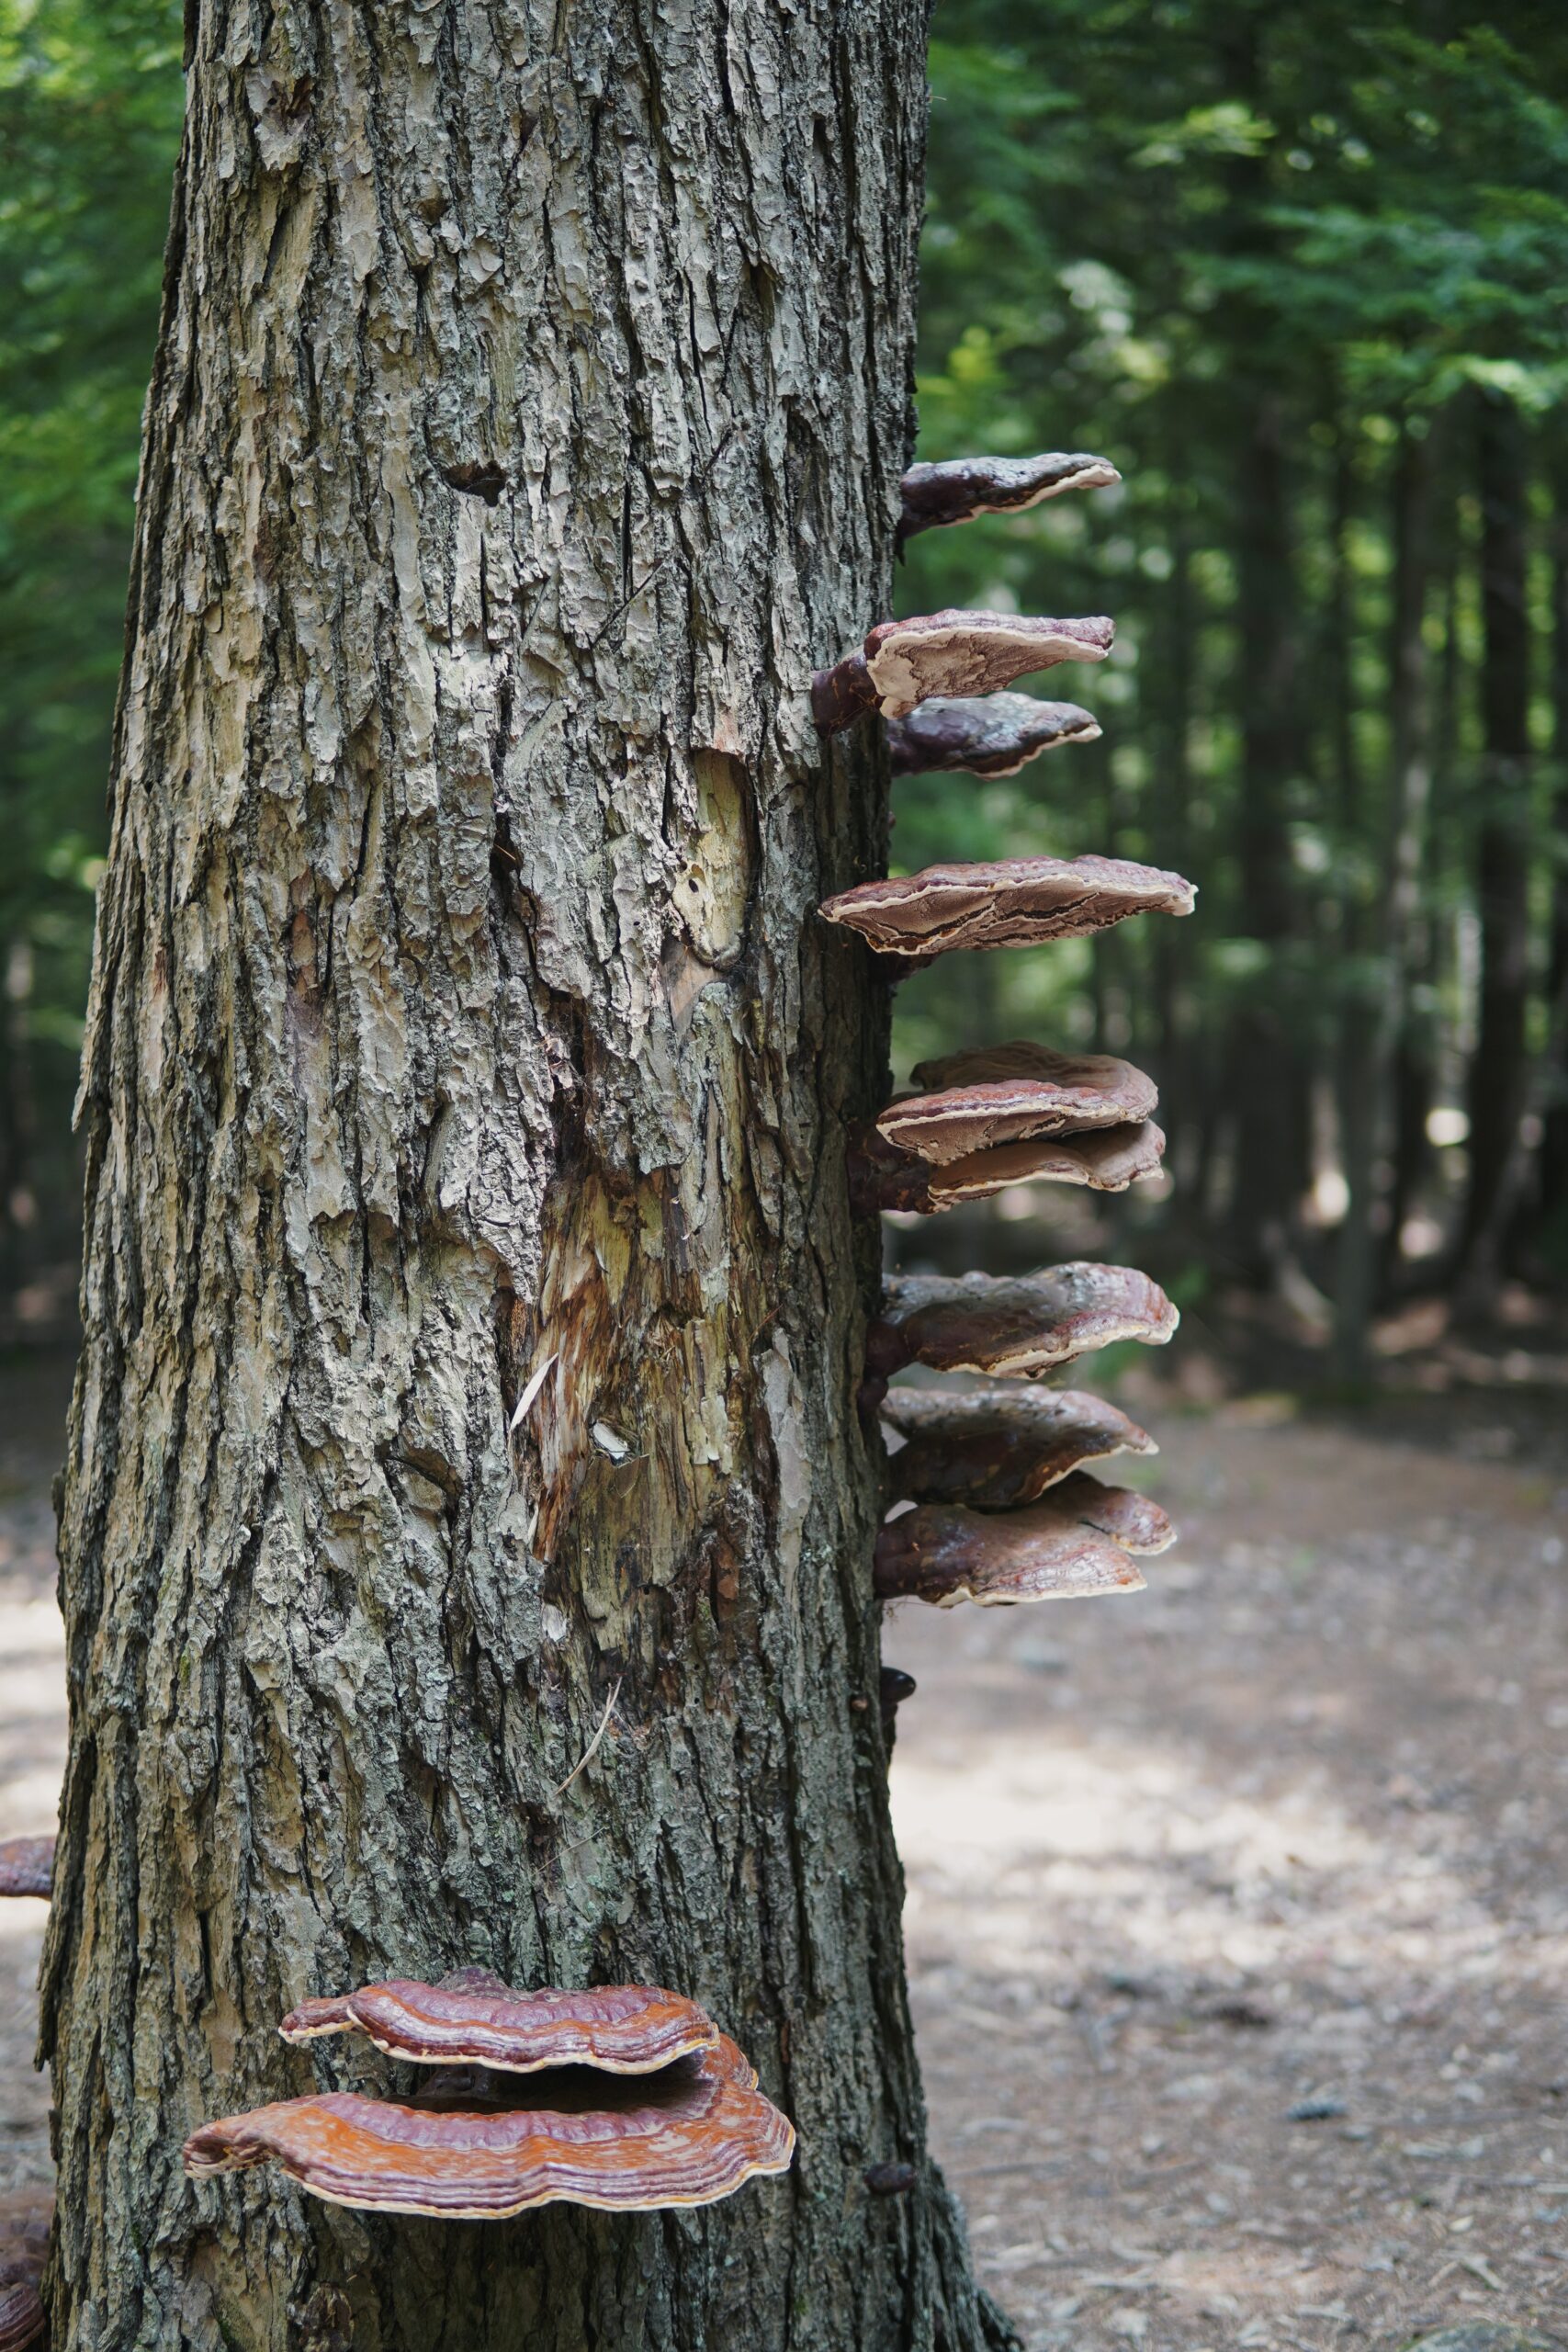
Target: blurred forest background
1301, 271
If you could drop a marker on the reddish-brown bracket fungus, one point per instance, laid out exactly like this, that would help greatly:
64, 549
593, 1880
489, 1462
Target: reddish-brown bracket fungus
1014, 902
969, 1102
472, 2018
25, 2217
959, 488
995, 1448
486, 2146
989, 735
1129, 1518
1108, 1160
905, 663
636, 2101
1046, 1551
1014, 1325
27, 1865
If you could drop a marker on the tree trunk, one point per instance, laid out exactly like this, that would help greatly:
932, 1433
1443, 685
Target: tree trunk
1496, 1082
1551, 1204
532, 392
1268, 1065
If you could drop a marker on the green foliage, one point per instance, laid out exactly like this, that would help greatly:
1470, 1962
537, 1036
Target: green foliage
90, 101
1149, 222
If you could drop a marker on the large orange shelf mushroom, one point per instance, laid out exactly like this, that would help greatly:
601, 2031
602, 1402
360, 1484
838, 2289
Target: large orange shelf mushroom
995, 1448
1006, 902
27, 1866
603, 2119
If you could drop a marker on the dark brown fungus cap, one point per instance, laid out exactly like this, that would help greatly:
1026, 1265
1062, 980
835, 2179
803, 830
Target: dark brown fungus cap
1014, 1325
989, 735
1002, 1093
27, 1865
961, 488
1014, 902
25, 2216
894, 1686
1128, 1518
687, 2135
950, 653
472, 2018
881, 1177
1046, 1551
995, 1448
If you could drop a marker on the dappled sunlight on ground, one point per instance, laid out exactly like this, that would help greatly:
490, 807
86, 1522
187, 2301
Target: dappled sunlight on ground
1286, 1832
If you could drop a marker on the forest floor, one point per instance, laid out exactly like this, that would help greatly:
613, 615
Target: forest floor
1238, 1908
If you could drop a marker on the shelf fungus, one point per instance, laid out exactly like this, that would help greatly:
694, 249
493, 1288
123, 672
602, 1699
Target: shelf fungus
958, 489
1047, 1551
1013, 902
1108, 1160
472, 2018
969, 1102
989, 735
905, 663
634, 2102
1017, 1325
25, 2217
27, 1865
996, 1448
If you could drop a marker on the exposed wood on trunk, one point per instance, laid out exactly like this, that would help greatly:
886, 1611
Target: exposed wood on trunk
532, 397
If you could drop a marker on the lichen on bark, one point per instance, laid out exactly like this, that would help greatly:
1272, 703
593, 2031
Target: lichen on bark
526, 422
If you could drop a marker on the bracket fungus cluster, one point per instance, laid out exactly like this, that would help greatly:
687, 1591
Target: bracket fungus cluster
623, 2096
993, 1502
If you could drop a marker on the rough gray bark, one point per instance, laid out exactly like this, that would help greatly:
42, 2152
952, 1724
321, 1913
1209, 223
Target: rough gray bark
527, 419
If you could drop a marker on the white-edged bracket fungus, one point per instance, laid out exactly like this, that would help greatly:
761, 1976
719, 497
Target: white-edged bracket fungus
472, 2018
958, 489
1107, 1159
25, 2217
1014, 1326
942, 1553
985, 735
971, 1102
996, 1448
1009, 902
950, 653
604, 2118
27, 1866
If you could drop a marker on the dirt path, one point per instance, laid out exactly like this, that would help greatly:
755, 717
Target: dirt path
1288, 1830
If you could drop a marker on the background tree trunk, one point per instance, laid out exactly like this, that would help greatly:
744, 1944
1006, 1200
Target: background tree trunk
532, 392
1496, 1078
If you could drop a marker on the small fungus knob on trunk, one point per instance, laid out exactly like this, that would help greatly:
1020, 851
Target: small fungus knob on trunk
958, 489
891, 2180
950, 653
989, 735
